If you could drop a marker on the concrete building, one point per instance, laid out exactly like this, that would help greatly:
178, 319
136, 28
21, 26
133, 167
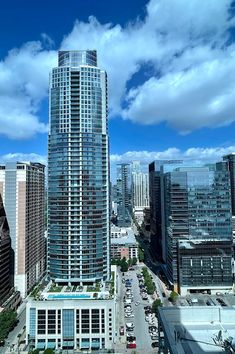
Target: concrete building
6, 257
196, 330
123, 243
22, 186
140, 191
73, 317
78, 171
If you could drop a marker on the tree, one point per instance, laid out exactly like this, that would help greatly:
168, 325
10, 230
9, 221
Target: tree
134, 260
48, 351
8, 320
173, 296
124, 265
141, 254
155, 305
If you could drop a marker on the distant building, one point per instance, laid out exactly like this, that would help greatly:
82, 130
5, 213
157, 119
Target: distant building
140, 191
123, 243
231, 163
123, 195
22, 186
6, 257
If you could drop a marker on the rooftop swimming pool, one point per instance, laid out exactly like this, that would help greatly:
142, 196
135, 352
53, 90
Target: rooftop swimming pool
69, 296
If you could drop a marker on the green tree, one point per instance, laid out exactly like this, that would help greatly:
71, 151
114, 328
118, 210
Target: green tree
48, 351
173, 296
8, 320
155, 305
124, 265
141, 255
134, 260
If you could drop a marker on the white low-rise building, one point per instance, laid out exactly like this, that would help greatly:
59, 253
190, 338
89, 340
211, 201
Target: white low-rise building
77, 319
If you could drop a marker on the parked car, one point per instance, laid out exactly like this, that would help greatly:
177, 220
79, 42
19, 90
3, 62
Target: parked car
155, 344
121, 330
131, 345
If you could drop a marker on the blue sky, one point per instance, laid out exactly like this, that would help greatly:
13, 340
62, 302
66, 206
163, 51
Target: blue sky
170, 65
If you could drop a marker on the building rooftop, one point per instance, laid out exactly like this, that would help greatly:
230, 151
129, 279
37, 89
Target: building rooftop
197, 330
100, 291
125, 235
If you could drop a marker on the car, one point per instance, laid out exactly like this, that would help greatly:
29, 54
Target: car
137, 303
121, 330
2, 343
152, 329
147, 308
154, 337
130, 338
155, 344
128, 315
131, 345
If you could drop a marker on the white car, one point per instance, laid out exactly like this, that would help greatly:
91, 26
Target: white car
137, 303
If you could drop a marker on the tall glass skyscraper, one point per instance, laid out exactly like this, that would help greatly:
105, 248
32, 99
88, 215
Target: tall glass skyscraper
78, 171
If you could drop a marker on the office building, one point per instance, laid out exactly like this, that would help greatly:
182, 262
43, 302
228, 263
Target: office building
6, 257
22, 189
198, 227
123, 195
230, 159
78, 171
156, 204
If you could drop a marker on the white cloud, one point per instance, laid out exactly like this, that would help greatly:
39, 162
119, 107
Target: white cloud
186, 44
21, 157
194, 155
24, 76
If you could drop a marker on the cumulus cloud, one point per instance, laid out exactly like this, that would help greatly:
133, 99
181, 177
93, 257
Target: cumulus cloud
186, 43
21, 157
194, 155
24, 84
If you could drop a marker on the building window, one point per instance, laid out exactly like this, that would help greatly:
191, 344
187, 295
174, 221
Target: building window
41, 322
85, 321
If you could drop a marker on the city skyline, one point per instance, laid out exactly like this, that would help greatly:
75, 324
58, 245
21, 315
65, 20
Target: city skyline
193, 121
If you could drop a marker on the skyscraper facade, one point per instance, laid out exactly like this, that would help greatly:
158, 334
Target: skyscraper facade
22, 186
140, 187
6, 259
231, 164
123, 194
198, 228
78, 171
156, 203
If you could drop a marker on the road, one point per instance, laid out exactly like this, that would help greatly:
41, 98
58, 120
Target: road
143, 339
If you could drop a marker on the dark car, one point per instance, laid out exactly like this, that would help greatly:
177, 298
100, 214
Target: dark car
155, 344
2, 343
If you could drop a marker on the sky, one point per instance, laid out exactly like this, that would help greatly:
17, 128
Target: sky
170, 66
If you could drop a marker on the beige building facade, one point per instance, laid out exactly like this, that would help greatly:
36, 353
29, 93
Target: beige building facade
22, 186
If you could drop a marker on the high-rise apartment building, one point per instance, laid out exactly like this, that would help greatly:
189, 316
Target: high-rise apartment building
6, 256
22, 186
198, 227
123, 194
80, 313
78, 171
231, 164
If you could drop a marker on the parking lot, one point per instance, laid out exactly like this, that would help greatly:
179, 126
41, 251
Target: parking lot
135, 323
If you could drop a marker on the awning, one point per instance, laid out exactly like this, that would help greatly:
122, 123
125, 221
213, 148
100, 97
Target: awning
85, 344
41, 345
